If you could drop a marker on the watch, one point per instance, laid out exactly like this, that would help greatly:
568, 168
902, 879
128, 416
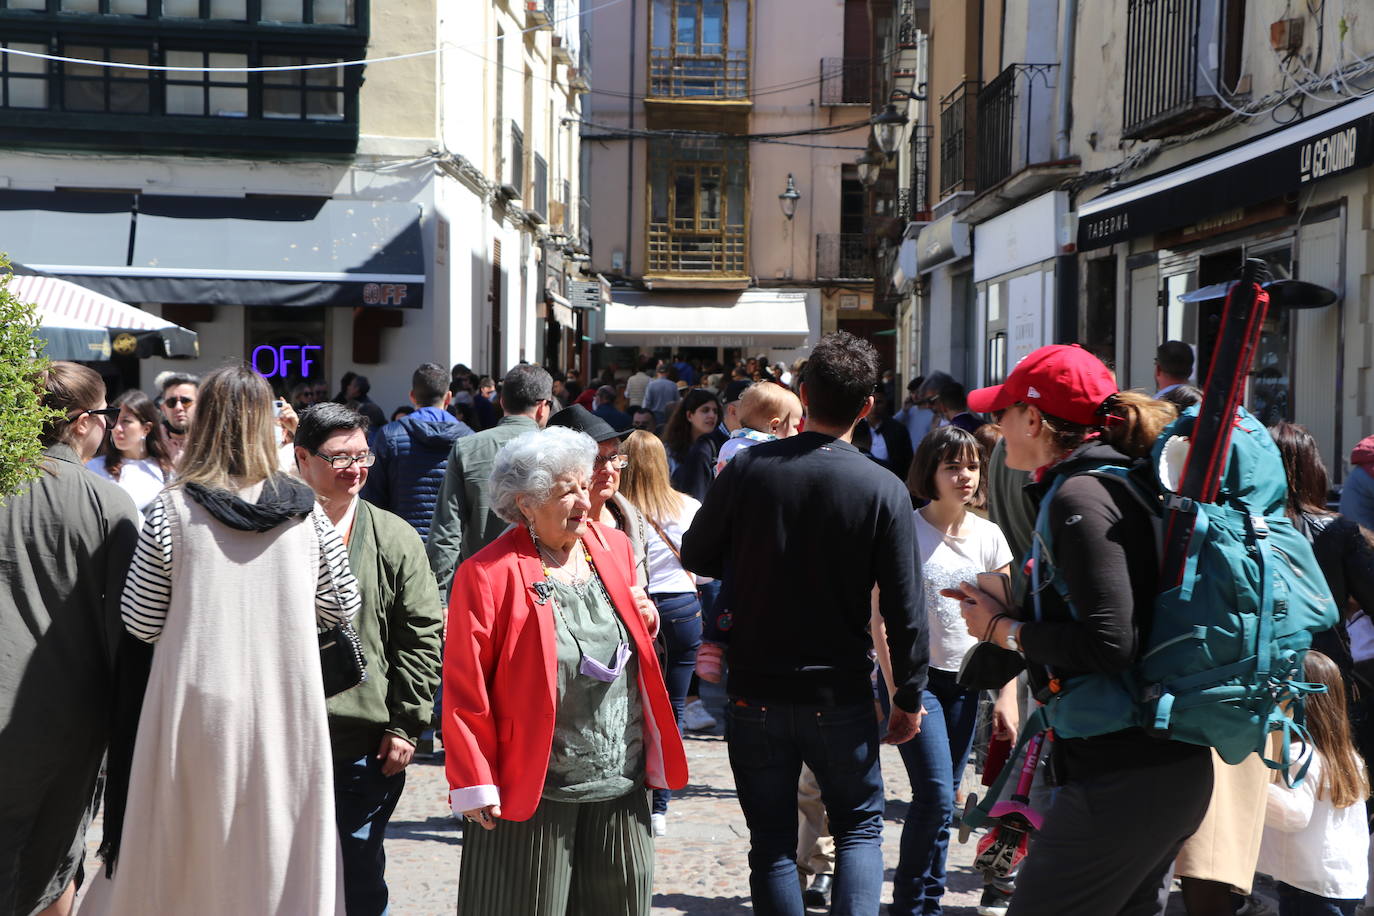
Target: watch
1013, 643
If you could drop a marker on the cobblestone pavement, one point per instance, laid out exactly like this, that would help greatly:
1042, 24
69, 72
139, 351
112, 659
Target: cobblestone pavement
701, 866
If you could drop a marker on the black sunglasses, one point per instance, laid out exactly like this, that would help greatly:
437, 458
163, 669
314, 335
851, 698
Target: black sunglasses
110, 414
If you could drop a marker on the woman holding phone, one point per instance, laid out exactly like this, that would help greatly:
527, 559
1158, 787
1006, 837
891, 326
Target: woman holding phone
956, 546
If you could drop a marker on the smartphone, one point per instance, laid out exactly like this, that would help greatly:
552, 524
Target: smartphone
277, 406
998, 585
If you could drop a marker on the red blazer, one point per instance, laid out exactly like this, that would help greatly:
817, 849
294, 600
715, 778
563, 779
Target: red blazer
500, 675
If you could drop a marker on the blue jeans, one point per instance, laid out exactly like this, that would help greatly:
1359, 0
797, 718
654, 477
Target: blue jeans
1295, 902
768, 743
363, 802
934, 761
680, 622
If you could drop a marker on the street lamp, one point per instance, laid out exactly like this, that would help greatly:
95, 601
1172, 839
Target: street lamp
788, 199
887, 129
870, 163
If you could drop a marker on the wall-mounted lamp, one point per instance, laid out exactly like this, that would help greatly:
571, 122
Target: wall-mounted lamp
788, 199
887, 129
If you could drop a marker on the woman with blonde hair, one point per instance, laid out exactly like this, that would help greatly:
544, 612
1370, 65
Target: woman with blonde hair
645, 482
65, 543
230, 796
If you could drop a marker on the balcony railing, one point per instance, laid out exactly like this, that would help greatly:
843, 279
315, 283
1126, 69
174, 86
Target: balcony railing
714, 76
683, 251
846, 80
540, 205
917, 191
996, 128
538, 12
1163, 93
844, 256
1014, 121
958, 139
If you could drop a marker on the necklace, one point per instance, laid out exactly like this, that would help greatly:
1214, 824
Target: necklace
587, 666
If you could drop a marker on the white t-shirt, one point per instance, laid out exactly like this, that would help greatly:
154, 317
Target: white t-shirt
948, 561
666, 575
142, 479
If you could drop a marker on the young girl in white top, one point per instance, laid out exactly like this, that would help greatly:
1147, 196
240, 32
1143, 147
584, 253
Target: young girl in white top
956, 545
1316, 840
135, 456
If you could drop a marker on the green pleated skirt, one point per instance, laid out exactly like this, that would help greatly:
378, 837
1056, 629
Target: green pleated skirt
585, 859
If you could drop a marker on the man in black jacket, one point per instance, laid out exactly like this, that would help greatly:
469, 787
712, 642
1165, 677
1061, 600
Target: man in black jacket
807, 526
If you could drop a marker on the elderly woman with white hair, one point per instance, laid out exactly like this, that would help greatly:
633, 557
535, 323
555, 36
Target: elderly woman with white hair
556, 720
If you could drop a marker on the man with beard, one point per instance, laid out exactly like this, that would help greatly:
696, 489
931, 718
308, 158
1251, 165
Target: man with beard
178, 404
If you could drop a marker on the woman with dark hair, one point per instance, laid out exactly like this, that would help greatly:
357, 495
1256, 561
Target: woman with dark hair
955, 545
1346, 558
65, 543
693, 440
1063, 416
136, 455
230, 790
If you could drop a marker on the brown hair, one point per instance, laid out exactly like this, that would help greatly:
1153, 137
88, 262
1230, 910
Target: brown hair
645, 482
232, 441
1302, 463
1344, 779
145, 411
1142, 419
71, 388
677, 431
944, 444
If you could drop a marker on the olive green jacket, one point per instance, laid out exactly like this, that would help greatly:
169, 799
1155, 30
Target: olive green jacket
401, 629
463, 521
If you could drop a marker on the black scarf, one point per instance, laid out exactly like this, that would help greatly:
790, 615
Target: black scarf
282, 498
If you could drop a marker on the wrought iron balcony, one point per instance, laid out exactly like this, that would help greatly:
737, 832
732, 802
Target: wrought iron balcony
846, 80
1166, 92
844, 256
1015, 119
958, 139
917, 191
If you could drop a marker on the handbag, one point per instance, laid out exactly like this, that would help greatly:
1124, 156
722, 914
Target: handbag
341, 651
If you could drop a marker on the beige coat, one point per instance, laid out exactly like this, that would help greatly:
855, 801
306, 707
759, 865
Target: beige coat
1226, 845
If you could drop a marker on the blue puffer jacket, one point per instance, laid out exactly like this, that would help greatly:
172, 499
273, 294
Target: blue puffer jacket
411, 455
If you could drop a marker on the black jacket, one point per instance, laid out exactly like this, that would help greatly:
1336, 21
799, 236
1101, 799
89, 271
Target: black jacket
807, 526
1347, 561
899, 450
696, 467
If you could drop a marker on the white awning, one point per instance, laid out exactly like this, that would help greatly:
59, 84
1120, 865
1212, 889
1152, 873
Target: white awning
754, 318
61, 298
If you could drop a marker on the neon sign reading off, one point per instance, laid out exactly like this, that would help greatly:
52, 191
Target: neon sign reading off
280, 359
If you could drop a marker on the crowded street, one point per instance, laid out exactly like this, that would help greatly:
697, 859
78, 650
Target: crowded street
674, 457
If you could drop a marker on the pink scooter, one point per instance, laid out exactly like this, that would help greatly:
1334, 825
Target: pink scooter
1001, 850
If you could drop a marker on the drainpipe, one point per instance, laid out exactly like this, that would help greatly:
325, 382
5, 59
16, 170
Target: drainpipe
1066, 265
1067, 34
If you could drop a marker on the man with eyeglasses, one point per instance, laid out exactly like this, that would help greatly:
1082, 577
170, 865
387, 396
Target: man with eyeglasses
608, 506
178, 404
374, 727
463, 521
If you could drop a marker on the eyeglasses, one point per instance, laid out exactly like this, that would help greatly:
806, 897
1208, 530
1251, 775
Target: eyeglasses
343, 462
109, 414
617, 461
173, 402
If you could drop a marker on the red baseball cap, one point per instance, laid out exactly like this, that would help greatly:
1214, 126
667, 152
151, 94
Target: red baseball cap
1064, 381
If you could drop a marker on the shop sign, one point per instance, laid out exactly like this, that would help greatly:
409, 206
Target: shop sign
276, 361
384, 294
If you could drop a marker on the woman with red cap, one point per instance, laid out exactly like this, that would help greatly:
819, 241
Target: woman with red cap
1126, 801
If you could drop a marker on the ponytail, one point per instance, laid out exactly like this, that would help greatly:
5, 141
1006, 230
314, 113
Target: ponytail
1138, 421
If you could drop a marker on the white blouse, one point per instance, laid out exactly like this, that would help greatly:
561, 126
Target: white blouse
1312, 845
141, 478
666, 575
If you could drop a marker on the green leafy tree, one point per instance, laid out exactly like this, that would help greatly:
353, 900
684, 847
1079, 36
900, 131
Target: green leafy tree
22, 413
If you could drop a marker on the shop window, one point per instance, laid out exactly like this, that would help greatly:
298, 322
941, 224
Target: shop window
23, 80
1099, 318
697, 206
313, 95
995, 347
93, 88
223, 95
236, 10
699, 49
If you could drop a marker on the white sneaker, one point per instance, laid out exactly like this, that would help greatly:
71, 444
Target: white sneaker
695, 718
658, 823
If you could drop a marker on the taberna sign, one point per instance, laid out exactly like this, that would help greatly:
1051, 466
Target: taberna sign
1334, 143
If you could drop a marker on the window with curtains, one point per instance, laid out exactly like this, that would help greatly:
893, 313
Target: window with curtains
699, 49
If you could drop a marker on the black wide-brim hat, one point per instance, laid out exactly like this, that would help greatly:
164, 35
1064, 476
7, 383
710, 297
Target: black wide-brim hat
584, 421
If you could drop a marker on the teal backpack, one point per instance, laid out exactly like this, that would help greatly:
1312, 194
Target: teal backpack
1222, 663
